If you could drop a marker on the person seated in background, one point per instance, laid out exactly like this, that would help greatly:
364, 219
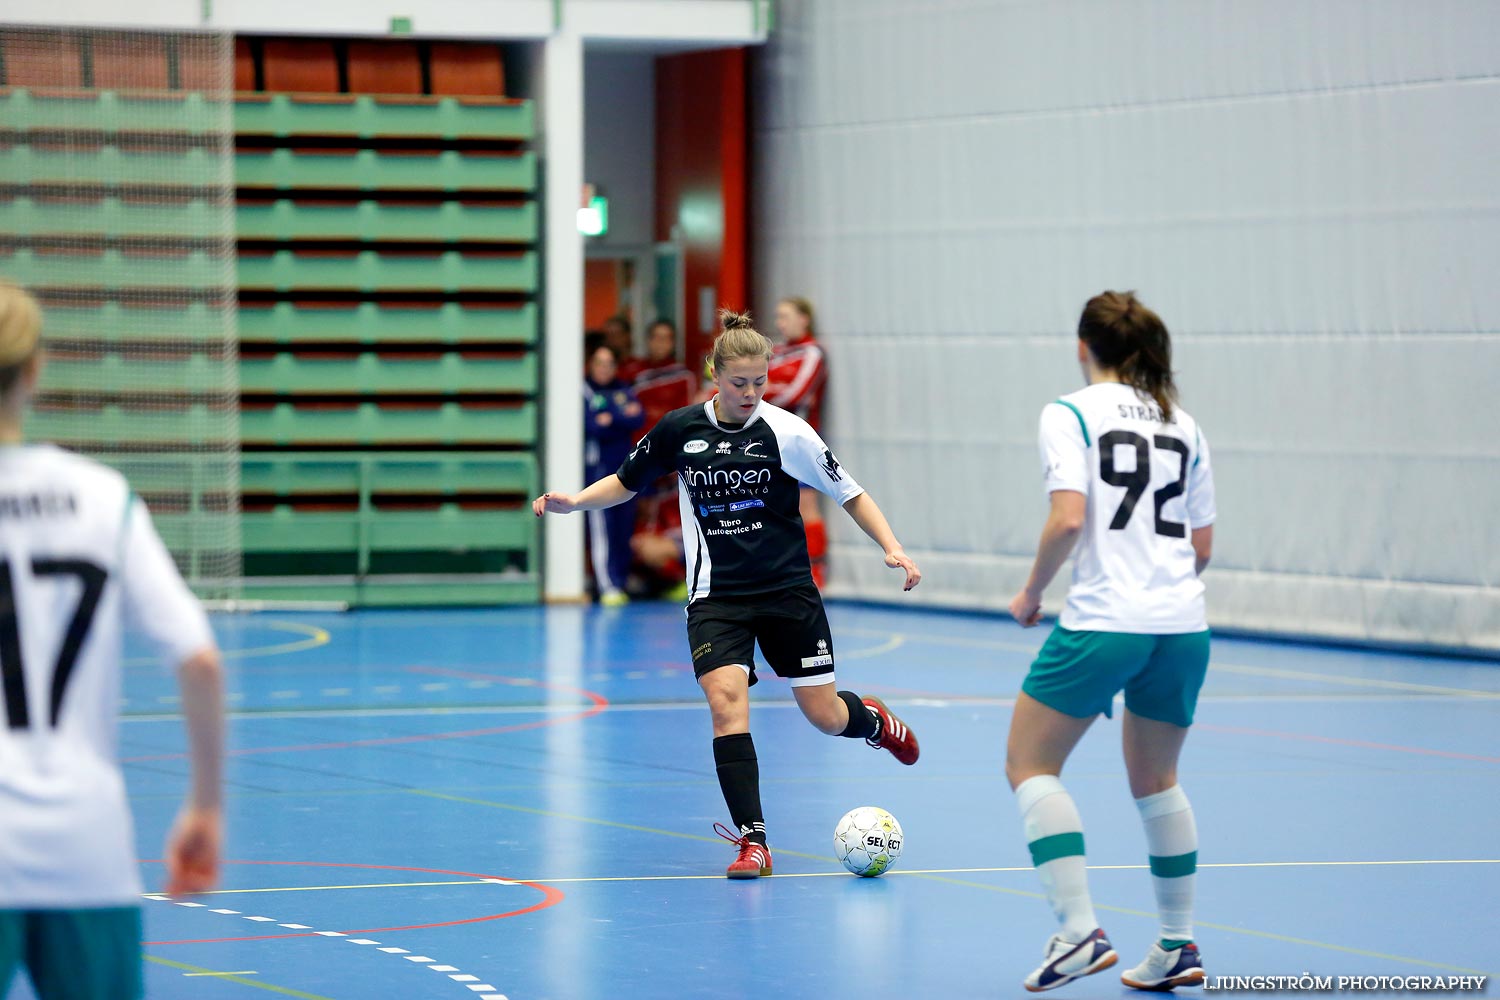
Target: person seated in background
657, 544
611, 417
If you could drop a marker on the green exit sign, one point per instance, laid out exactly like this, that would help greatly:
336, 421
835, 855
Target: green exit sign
593, 218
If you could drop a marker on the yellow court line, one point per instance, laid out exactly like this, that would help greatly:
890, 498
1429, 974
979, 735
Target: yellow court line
975, 885
232, 977
895, 642
315, 637
951, 640
596, 822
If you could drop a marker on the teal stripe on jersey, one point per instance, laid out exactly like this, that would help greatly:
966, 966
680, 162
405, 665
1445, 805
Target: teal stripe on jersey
1176, 866
1087, 441
124, 527
1197, 446
1059, 845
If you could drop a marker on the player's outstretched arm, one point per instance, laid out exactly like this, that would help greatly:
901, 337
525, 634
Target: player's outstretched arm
193, 846
872, 522
607, 492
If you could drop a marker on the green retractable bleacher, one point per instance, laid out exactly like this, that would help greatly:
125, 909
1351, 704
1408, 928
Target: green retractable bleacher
388, 324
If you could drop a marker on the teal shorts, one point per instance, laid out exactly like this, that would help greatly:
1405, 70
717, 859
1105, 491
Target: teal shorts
83, 954
1079, 673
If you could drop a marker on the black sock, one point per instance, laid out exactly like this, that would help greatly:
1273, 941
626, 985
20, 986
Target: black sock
739, 780
863, 723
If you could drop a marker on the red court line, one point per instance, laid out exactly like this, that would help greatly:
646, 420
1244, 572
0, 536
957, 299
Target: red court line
551, 897
1338, 741
600, 703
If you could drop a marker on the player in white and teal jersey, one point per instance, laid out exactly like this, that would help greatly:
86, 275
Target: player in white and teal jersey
79, 562
1132, 499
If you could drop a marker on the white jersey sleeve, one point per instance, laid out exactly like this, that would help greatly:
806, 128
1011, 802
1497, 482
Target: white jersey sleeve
158, 603
810, 461
1200, 491
1065, 451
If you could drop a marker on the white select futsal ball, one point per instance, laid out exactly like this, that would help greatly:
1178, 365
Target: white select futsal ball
868, 841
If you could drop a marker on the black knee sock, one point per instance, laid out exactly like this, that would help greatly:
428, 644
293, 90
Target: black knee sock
739, 780
863, 724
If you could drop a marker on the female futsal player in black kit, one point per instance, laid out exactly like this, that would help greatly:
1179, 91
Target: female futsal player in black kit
741, 463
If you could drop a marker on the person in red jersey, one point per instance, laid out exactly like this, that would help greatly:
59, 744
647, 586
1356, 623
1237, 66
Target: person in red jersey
799, 374
662, 384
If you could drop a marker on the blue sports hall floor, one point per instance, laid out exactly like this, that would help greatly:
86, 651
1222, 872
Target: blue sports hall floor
519, 803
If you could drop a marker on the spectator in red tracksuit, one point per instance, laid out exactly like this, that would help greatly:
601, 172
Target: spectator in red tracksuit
657, 543
611, 416
661, 352
798, 375
663, 384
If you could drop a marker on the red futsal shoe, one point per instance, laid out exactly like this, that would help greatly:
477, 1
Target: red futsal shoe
754, 859
894, 734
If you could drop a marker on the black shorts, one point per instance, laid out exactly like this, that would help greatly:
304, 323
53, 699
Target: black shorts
790, 625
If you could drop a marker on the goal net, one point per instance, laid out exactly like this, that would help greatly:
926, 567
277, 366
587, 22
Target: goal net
117, 213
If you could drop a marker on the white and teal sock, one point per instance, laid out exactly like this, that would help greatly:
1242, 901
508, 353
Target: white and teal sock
1172, 842
1054, 833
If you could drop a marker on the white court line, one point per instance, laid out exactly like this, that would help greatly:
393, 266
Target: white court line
1309, 675
373, 885
839, 874
947, 701
423, 960
1231, 668
243, 972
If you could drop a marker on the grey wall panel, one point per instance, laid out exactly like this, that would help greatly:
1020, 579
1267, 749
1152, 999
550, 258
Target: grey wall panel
619, 143
1305, 192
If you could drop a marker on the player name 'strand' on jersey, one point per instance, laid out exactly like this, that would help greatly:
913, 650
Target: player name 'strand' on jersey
739, 490
1149, 484
78, 558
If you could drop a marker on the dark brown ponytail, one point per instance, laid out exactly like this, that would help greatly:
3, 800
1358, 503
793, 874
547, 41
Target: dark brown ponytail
1132, 341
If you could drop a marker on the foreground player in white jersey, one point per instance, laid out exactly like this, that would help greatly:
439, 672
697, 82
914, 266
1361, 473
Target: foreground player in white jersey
1132, 498
741, 463
79, 559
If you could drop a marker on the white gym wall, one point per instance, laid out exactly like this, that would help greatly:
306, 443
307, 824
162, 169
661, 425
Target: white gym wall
1306, 192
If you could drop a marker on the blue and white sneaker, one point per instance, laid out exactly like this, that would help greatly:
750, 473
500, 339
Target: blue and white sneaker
1166, 970
1067, 961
